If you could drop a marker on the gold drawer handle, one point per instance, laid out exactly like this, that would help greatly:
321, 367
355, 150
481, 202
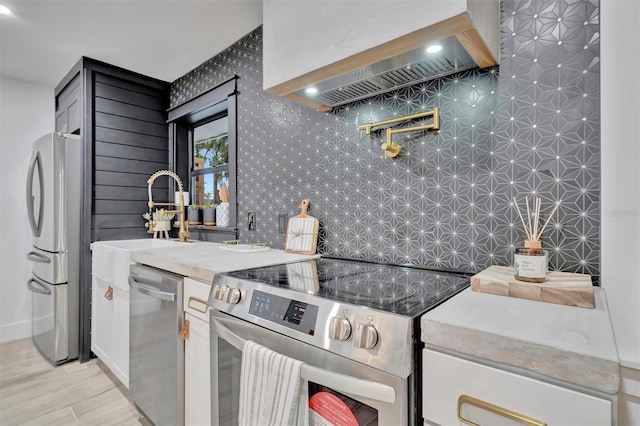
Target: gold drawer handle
184, 331
197, 300
512, 415
109, 293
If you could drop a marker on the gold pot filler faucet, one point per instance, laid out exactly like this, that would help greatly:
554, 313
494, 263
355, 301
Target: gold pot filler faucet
391, 148
184, 233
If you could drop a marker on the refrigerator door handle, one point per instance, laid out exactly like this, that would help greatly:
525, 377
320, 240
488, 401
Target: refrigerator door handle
37, 257
41, 288
149, 290
36, 225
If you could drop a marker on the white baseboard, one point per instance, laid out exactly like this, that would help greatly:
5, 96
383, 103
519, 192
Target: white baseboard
15, 331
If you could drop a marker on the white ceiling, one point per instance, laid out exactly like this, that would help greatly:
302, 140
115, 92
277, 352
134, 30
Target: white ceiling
43, 39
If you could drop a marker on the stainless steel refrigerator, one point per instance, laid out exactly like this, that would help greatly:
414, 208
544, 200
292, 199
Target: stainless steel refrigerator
54, 193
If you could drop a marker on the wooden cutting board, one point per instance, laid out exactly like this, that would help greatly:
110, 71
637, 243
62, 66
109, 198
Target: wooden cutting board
302, 232
563, 288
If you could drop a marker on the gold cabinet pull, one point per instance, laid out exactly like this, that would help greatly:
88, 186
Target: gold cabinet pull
184, 331
109, 293
197, 300
512, 415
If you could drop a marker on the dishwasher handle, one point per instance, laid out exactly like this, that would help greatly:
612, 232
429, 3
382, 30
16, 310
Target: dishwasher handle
148, 288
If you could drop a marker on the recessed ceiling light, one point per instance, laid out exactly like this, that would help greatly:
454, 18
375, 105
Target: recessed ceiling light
434, 48
311, 90
4, 10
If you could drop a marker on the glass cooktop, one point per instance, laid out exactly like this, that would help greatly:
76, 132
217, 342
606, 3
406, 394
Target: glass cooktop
403, 290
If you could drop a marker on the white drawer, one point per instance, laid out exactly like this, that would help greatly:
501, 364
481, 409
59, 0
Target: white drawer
447, 378
195, 297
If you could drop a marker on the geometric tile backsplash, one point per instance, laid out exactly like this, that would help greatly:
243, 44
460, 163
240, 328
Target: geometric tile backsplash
528, 128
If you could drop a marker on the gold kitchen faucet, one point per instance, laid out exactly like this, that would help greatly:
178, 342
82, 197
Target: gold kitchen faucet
184, 233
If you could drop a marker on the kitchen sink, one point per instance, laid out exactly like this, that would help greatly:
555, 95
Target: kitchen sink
115, 258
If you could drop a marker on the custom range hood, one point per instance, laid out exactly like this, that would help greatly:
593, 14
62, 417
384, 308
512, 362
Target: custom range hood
350, 50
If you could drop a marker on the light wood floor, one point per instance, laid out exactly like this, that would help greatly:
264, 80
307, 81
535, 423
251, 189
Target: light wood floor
32, 392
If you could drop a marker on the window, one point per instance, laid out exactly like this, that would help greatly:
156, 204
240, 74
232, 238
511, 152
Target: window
202, 151
210, 161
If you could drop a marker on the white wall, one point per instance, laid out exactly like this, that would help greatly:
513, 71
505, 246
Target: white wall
620, 104
26, 113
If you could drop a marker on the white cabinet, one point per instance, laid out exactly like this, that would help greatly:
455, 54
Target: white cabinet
101, 316
110, 262
110, 306
496, 395
110, 327
197, 377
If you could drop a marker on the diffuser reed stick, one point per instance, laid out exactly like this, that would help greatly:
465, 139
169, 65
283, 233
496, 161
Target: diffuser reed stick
531, 226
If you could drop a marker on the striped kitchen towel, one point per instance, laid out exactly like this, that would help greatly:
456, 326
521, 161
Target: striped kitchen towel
270, 388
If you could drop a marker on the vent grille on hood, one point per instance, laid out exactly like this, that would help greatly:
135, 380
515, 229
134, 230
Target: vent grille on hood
410, 68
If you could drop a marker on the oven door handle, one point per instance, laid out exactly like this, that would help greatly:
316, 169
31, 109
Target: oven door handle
339, 382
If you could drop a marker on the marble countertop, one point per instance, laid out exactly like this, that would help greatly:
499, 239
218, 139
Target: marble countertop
202, 260
566, 343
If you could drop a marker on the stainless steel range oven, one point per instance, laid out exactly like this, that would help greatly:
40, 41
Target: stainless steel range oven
354, 325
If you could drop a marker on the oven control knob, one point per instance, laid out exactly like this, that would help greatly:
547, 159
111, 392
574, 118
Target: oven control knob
366, 336
339, 328
217, 292
231, 295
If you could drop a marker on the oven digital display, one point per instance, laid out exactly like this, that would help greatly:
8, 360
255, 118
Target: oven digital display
295, 312
291, 313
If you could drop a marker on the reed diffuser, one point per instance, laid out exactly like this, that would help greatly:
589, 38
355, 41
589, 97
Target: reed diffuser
531, 262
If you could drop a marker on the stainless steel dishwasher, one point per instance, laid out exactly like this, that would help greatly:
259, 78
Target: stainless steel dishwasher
156, 351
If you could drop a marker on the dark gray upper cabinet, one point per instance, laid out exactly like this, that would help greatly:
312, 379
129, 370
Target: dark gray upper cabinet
68, 107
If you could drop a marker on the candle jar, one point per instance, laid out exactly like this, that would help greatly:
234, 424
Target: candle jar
530, 264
